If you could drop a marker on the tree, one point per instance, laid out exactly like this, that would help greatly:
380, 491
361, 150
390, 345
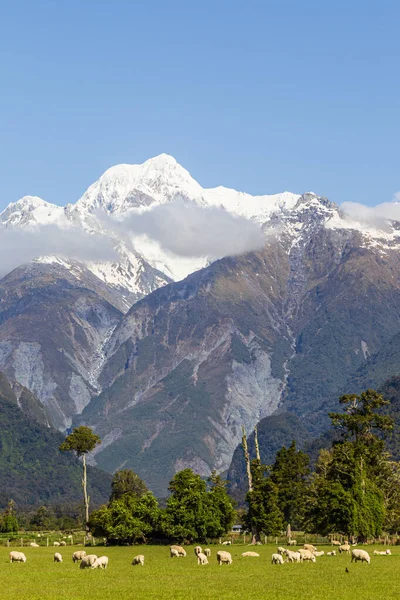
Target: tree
9, 522
350, 479
291, 474
193, 513
81, 441
264, 514
127, 481
127, 519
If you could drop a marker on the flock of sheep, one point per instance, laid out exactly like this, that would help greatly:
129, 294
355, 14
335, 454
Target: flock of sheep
307, 553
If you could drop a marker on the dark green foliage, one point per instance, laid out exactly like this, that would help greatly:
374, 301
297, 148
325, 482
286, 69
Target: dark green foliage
129, 519
264, 515
350, 479
32, 470
193, 513
291, 474
8, 521
126, 481
81, 441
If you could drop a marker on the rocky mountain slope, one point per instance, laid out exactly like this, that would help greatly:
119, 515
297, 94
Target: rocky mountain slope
170, 383
32, 469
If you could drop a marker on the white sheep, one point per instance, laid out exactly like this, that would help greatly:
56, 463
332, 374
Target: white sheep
310, 547
56, 543
198, 550
202, 559
336, 543
181, 551
228, 543
57, 557
307, 555
277, 559
88, 561
34, 545
320, 553
344, 548
139, 559
293, 556
361, 555
382, 553
100, 563
292, 542
332, 553
281, 550
224, 557
78, 555
249, 553
173, 553
63, 543
207, 552
17, 556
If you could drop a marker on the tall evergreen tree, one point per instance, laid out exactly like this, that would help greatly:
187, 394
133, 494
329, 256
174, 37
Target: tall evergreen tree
349, 480
291, 474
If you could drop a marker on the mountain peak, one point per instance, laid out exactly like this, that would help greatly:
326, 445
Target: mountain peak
158, 180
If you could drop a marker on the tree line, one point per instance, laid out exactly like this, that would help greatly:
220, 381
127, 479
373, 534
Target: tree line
354, 489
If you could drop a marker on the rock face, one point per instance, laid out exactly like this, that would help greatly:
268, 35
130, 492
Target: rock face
272, 336
54, 321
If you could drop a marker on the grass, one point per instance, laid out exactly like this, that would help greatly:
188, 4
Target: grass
177, 579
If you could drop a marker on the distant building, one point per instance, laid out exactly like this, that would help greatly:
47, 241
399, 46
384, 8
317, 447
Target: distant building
237, 528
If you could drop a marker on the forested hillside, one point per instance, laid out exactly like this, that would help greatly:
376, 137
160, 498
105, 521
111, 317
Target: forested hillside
32, 469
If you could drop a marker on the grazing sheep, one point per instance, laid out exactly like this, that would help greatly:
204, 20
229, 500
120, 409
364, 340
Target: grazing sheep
293, 556
382, 553
344, 548
307, 555
226, 543
180, 550
17, 556
320, 553
139, 559
63, 543
100, 563
310, 547
332, 553
281, 550
255, 554
173, 553
57, 557
202, 559
56, 543
336, 543
207, 552
224, 557
361, 555
88, 561
34, 545
78, 555
292, 542
277, 559
198, 550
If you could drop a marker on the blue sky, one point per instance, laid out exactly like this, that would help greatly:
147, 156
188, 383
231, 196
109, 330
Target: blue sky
262, 96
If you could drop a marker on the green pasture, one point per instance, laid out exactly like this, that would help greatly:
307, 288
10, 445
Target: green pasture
165, 578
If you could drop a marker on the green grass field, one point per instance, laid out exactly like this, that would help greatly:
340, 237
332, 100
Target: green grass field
166, 578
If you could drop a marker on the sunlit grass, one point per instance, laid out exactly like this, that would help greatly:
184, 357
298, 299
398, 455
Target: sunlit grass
163, 577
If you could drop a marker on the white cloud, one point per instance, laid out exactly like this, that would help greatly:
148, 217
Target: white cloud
188, 230
21, 246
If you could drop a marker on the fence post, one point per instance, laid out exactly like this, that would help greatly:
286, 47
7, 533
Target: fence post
22, 542
47, 542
